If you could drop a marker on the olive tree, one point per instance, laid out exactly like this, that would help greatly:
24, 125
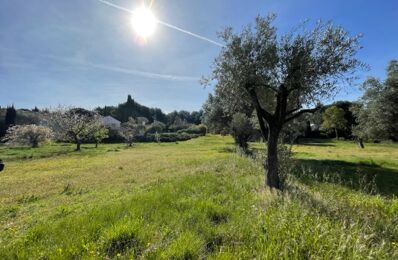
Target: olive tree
215, 117
241, 130
283, 77
31, 135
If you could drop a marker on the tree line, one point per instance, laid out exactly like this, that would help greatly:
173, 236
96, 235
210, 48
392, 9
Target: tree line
78, 126
131, 108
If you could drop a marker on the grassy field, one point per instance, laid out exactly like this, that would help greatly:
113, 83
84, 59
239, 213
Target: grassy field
197, 199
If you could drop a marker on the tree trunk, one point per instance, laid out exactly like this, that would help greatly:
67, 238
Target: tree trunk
78, 147
360, 143
337, 134
1, 165
271, 163
96, 145
35, 144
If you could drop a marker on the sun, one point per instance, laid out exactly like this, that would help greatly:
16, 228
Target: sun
144, 22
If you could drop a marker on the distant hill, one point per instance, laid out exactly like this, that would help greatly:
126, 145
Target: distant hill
132, 109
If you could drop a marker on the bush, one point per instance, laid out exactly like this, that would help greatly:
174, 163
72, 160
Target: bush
241, 130
156, 126
114, 136
176, 127
169, 137
195, 129
224, 132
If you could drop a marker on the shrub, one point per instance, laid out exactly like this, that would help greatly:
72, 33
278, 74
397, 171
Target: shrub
224, 132
241, 130
168, 137
177, 127
195, 129
114, 136
156, 126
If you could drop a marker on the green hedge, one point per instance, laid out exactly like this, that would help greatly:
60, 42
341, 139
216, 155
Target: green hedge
194, 129
170, 137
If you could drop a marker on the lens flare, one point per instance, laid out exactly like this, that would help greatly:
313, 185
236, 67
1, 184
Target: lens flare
144, 22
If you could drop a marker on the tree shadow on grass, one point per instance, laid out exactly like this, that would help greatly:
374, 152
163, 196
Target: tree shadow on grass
316, 142
366, 176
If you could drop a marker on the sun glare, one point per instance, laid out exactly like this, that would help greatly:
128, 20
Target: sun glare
144, 22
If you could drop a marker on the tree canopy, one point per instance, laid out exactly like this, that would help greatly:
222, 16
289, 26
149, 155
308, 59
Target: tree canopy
377, 111
241, 130
333, 119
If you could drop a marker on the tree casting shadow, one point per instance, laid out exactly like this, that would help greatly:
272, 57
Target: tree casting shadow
360, 176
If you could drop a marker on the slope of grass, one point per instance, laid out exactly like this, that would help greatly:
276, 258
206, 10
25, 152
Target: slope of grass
186, 201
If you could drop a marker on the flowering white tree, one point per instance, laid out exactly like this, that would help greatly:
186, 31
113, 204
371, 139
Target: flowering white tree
31, 135
74, 125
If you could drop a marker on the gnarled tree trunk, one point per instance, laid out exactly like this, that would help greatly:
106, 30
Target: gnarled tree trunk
271, 162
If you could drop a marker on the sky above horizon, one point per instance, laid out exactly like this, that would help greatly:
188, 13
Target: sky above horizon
85, 53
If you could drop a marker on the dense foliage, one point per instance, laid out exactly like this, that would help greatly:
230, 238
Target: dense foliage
377, 111
333, 119
133, 109
215, 117
11, 115
241, 130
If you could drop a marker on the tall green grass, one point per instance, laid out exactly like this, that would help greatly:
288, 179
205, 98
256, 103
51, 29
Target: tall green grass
196, 200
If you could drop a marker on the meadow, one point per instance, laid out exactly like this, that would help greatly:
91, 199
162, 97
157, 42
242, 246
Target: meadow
198, 199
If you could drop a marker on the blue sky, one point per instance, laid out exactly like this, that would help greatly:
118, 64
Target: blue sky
84, 53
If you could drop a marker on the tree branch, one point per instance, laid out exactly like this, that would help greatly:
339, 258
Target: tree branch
262, 125
261, 111
301, 112
293, 110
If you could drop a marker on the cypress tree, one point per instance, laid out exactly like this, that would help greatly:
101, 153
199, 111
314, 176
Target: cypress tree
11, 115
